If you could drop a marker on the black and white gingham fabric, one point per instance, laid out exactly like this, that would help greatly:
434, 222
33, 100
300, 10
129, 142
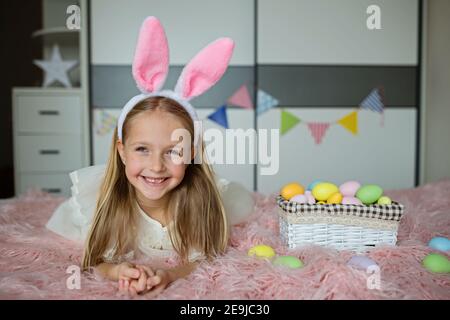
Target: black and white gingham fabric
391, 212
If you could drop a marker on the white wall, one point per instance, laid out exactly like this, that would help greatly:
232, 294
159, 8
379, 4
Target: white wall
437, 86
335, 32
189, 25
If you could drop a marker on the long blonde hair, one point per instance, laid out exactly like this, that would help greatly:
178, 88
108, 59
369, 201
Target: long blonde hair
195, 206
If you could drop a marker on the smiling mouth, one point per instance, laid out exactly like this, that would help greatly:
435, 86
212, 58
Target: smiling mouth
154, 181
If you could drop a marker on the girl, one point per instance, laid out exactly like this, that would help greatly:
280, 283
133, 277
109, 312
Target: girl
154, 198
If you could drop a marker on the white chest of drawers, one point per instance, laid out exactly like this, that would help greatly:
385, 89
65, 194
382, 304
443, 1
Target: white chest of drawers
50, 136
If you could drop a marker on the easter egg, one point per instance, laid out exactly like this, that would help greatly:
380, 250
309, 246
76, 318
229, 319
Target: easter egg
310, 198
288, 261
436, 263
261, 251
349, 188
351, 200
300, 198
369, 193
439, 243
292, 189
384, 200
321, 202
323, 190
361, 262
313, 184
335, 198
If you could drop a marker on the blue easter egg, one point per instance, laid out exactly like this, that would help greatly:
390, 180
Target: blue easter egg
439, 243
313, 184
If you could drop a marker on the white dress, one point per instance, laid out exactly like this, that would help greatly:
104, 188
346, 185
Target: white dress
72, 218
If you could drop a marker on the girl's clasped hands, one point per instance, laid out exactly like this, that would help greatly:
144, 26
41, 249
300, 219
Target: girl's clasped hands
141, 279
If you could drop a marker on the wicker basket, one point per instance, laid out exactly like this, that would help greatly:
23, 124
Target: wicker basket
344, 227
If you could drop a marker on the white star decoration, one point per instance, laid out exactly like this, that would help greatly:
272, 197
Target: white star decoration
56, 69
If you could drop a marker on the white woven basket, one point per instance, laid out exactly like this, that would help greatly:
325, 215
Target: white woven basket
343, 227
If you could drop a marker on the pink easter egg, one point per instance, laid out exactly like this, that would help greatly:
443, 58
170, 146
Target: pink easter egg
351, 200
310, 198
349, 188
299, 198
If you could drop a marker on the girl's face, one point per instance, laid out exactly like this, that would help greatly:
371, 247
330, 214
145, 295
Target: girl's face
150, 156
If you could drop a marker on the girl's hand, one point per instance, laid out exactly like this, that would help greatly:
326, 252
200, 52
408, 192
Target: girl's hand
139, 286
149, 281
126, 273
157, 283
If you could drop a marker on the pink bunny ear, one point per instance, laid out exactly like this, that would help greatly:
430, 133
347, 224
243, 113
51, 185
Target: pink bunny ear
205, 69
151, 59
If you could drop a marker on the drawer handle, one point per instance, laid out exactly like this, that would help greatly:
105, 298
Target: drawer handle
48, 112
49, 151
52, 190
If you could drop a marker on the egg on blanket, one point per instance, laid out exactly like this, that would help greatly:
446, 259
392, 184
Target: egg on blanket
291, 189
436, 263
261, 251
439, 243
349, 188
322, 191
288, 261
361, 262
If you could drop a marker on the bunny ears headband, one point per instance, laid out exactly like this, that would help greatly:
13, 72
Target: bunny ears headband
151, 65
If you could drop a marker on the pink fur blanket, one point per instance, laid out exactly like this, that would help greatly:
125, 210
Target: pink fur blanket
34, 262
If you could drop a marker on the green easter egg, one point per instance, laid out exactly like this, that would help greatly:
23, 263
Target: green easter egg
437, 263
288, 261
369, 193
384, 200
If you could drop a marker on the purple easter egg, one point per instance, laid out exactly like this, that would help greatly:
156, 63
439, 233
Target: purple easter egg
300, 198
349, 188
310, 198
361, 262
351, 200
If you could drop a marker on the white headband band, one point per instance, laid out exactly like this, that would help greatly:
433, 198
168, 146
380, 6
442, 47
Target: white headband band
165, 93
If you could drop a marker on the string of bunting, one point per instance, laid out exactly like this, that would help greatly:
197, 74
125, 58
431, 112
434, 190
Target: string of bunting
374, 101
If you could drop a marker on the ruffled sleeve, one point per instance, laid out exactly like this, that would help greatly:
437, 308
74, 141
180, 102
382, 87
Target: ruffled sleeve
237, 200
73, 217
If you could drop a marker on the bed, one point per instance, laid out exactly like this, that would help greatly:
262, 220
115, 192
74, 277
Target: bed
38, 264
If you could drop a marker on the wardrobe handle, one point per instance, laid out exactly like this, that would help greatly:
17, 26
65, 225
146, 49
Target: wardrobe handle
49, 151
49, 112
52, 190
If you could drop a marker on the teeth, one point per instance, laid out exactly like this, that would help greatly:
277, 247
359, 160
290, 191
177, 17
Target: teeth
154, 180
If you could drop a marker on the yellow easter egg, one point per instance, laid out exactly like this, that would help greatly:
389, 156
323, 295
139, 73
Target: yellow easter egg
292, 189
322, 191
335, 198
261, 251
321, 202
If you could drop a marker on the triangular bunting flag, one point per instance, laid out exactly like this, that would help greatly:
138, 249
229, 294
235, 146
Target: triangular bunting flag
374, 101
241, 98
318, 130
220, 116
350, 122
265, 102
288, 121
